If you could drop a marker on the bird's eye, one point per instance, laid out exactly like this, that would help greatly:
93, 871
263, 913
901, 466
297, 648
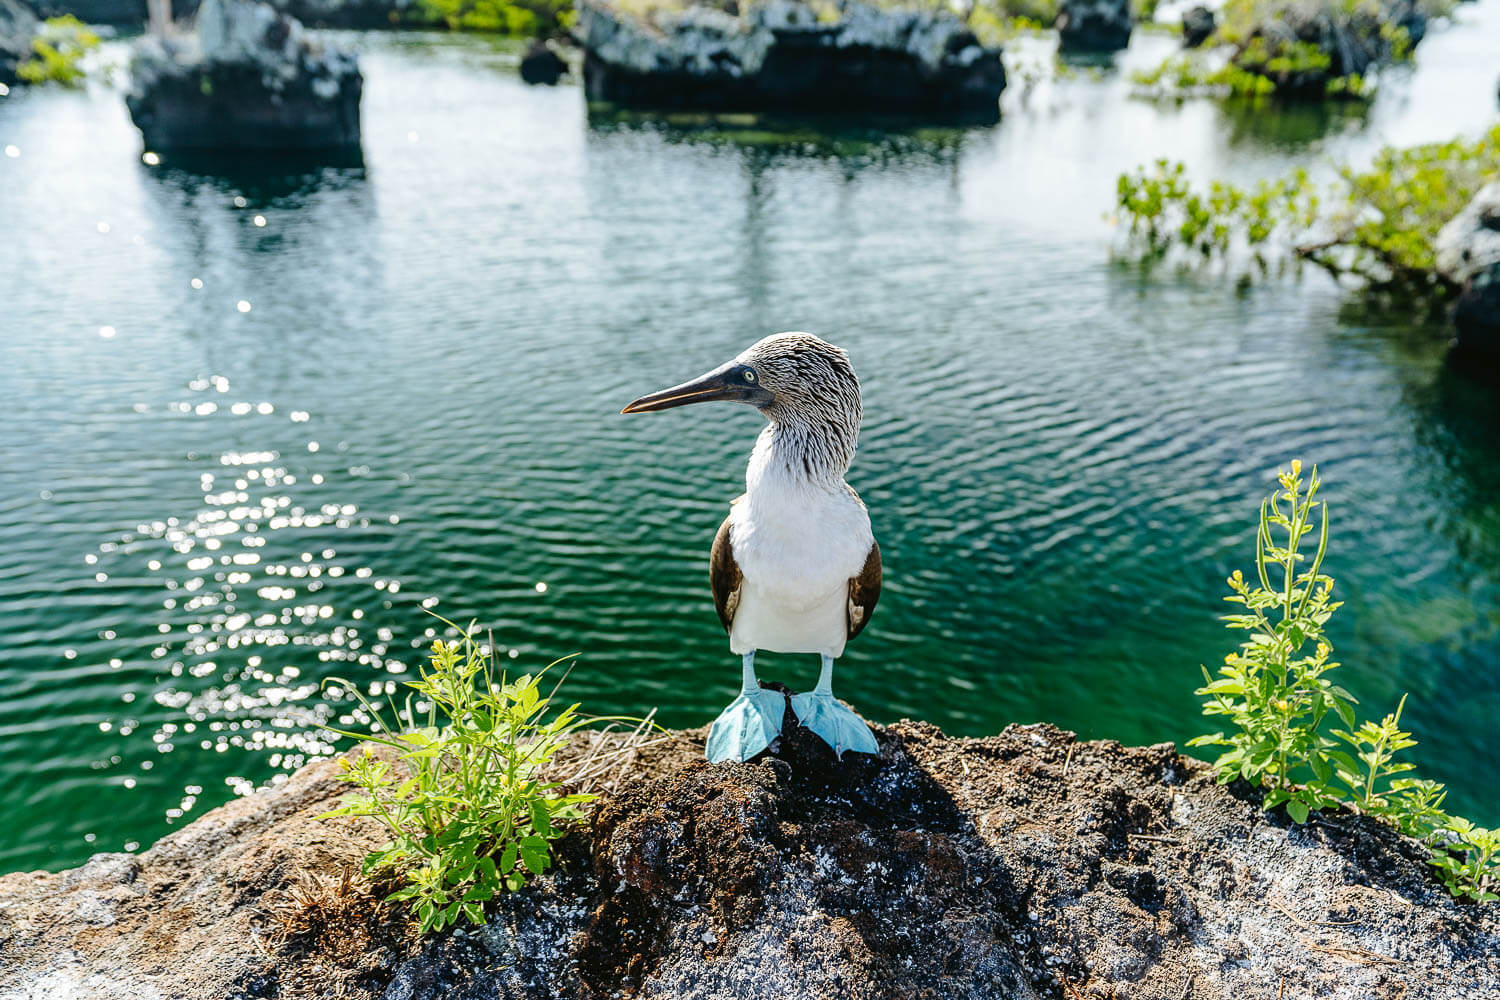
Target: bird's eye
749, 375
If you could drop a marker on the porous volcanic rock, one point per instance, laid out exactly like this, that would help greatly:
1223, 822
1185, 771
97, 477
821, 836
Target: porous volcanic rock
776, 55
1024, 865
248, 78
1468, 255
18, 26
1094, 25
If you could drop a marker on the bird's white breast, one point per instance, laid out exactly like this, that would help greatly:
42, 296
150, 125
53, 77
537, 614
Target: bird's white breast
797, 544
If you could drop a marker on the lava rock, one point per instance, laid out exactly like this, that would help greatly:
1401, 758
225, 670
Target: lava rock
1023, 865
1356, 41
249, 78
1198, 24
1094, 25
18, 25
777, 55
1468, 255
541, 64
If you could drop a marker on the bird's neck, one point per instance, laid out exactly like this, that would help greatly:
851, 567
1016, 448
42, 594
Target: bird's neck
793, 454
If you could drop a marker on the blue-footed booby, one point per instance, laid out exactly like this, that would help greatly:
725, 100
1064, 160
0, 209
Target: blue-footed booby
794, 567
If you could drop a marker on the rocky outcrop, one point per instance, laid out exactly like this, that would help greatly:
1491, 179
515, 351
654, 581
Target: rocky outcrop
541, 64
777, 55
1352, 40
1025, 865
1468, 256
1094, 25
362, 14
1198, 24
17, 28
248, 78
117, 12
312, 13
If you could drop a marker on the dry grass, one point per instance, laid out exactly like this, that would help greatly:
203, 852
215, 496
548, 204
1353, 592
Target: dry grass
330, 936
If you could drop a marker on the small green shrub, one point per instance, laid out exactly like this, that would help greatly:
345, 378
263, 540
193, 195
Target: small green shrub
467, 808
1378, 224
57, 52
524, 18
1276, 693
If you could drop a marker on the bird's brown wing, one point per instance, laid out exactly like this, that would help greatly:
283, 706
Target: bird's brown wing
724, 576
864, 591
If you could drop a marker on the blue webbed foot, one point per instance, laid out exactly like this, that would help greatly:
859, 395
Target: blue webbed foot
840, 728
748, 726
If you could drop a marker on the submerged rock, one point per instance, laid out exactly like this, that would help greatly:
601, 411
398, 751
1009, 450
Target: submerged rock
1025, 865
777, 55
541, 64
1094, 25
1198, 24
1468, 255
248, 78
18, 26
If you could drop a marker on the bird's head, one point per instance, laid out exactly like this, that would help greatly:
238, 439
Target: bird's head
792, 378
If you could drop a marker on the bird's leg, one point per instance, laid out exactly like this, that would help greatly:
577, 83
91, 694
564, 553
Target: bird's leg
825, 715
750, 723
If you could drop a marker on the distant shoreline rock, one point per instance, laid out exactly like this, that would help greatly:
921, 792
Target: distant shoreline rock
1468, 256
1025, 865
18, 26
777, 55
1094, 25
248, 78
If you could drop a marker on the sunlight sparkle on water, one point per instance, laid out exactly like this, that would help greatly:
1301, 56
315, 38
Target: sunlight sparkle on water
256, 600
12, 151
150, 159
242, 305
106, 332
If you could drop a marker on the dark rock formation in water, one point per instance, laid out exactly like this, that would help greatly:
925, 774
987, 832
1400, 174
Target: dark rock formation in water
1468, 255
362, 14
1198, 24
777, 55
1355, 41
117, 12
1094, 25
1021, 866
541, 64
248, 78
17, 28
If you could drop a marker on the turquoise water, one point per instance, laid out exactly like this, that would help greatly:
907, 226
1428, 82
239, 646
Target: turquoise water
204, 511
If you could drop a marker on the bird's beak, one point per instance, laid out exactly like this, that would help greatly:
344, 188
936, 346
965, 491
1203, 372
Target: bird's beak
719, 384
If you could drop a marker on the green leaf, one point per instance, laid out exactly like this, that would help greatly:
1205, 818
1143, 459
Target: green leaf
1297, 810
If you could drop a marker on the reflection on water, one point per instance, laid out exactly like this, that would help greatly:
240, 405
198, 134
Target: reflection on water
330, 399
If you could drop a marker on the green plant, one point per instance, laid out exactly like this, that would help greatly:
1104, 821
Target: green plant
57, 52
1469, 860
543, 18
465, 801
1377, 224
1278, 697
